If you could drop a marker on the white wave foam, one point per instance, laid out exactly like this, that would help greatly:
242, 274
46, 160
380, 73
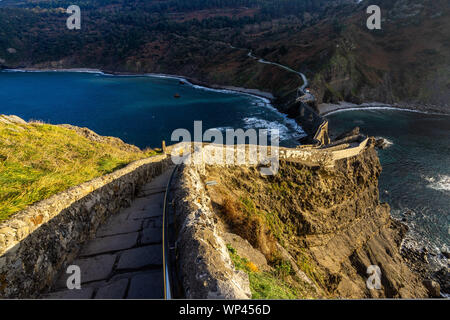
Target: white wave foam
441, 182
284, 132
375, 106
222, 129
387, 141
299, 132
93, 71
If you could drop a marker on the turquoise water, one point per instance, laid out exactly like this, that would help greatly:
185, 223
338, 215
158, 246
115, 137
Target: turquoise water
141, 110
416, 167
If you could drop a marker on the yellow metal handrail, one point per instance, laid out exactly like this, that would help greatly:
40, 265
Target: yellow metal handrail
165, 243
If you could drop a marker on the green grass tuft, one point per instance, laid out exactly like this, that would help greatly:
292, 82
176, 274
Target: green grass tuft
39, 160
263, 284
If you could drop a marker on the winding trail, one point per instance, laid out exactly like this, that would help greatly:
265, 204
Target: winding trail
301, 93
301, 90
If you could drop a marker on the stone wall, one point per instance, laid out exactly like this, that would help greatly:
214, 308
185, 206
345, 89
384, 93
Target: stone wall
36, 242
323, 156
205, 267
215, 154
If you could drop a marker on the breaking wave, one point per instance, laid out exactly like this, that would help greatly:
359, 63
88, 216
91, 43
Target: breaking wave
386, 141
284, 131
442, 183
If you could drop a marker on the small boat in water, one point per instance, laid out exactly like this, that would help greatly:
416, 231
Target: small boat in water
177, 96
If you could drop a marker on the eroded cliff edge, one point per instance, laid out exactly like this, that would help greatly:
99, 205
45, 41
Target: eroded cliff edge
311, 230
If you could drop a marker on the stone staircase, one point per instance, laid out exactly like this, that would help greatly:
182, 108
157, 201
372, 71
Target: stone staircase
124, 260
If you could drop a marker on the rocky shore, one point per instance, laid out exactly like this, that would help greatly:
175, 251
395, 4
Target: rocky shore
432, 264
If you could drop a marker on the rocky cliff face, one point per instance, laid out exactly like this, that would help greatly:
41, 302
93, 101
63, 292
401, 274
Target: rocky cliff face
330, 222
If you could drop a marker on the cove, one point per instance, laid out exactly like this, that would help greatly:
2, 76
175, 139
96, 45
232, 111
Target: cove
141, 110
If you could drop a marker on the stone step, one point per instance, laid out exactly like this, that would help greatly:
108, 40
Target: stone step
124, 260
141, 257
85, 293
119, 227
151, 211
110, 244
151, 236
150, 192
146, 286
113, 290
92, 269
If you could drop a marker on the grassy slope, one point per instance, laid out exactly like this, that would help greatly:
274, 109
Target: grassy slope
39, 160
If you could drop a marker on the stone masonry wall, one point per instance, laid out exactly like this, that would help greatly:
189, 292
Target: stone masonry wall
37, 241
215, 154
207, 271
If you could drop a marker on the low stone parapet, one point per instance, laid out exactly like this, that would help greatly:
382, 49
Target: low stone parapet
37, 241
206, 269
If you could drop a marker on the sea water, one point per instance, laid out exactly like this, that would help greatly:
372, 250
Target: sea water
415, 180
141, 110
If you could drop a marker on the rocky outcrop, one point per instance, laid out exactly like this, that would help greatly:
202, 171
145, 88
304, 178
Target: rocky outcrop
204, 264
330, 220
432, 264
91, 135
11, 119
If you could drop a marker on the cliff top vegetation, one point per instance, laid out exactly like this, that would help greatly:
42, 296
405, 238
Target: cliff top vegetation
38, 160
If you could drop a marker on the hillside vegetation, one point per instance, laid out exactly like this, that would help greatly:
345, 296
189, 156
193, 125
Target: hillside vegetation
38, 160
405, 62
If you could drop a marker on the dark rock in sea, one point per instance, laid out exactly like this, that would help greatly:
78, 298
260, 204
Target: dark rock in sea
409, 213
424, 255
417, 258
381, 143
182, 82
445, 253
434, 289
443, 277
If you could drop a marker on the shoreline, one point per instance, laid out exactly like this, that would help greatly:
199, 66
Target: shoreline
266, 97
326, 109
194, 82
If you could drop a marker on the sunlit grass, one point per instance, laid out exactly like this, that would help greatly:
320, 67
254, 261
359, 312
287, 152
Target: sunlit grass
39, 160
263, 284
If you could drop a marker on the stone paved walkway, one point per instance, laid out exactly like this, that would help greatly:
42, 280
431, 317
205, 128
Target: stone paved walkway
125, 258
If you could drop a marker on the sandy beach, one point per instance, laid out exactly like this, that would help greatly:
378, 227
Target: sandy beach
330, 108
